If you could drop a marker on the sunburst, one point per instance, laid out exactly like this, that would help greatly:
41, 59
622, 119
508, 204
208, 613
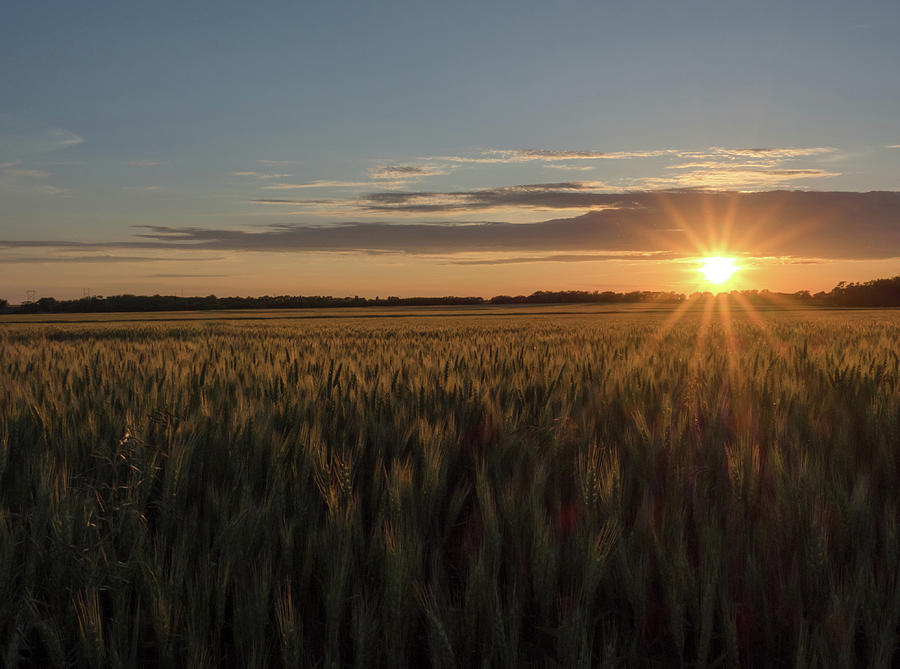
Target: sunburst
717, 269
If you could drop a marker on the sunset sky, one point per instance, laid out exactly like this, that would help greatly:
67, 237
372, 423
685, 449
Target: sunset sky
389, 148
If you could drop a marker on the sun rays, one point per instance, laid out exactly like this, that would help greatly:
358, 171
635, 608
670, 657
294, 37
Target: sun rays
718, 244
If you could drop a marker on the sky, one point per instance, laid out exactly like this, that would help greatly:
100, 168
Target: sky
392, 148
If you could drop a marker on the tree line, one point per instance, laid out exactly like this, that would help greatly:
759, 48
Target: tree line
875, 293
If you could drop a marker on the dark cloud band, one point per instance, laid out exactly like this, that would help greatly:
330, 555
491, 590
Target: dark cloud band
796, 224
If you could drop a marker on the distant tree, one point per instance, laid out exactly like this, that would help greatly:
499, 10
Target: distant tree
47, 304
3, 303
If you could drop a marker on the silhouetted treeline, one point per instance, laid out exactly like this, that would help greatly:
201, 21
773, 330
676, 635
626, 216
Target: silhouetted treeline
583, 296
174, 303
876, 293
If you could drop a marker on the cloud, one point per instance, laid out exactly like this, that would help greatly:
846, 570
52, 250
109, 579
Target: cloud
141, 188
21, 180
781, 153
796, 224
142, 163
722, 168
784, 223
22, 137
534, 197
405, 172
564, 195
261, 175
65, 137
23, 172
327, 208
559, 195
570, 257
720, 164
550, 156
574, 168
714, 167
291, 202
494, 156
385, 176
725, 176
893, 146
771, 156
324, 183
48, 189
274, 162
29, 260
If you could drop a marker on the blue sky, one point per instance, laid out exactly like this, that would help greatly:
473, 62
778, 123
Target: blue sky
117, 115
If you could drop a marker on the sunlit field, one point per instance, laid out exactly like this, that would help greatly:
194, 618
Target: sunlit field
458, 488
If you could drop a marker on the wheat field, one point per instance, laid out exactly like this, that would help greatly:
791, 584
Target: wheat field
544, 490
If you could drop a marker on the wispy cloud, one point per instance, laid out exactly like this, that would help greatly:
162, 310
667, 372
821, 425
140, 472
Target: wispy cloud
141, 188
22, 137
261, 175
713, 167
405, 172
96, 258
21, 180
65, 137
726, 177
11, 171
384, 176
142, 163
574, 168
49, 189
495, 156
893, 146
580, 195
279, 201
561, 195
716, 164
776, 152
724, 168
324, 183
570, 257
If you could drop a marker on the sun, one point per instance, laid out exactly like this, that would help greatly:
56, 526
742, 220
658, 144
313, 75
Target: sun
717, 269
